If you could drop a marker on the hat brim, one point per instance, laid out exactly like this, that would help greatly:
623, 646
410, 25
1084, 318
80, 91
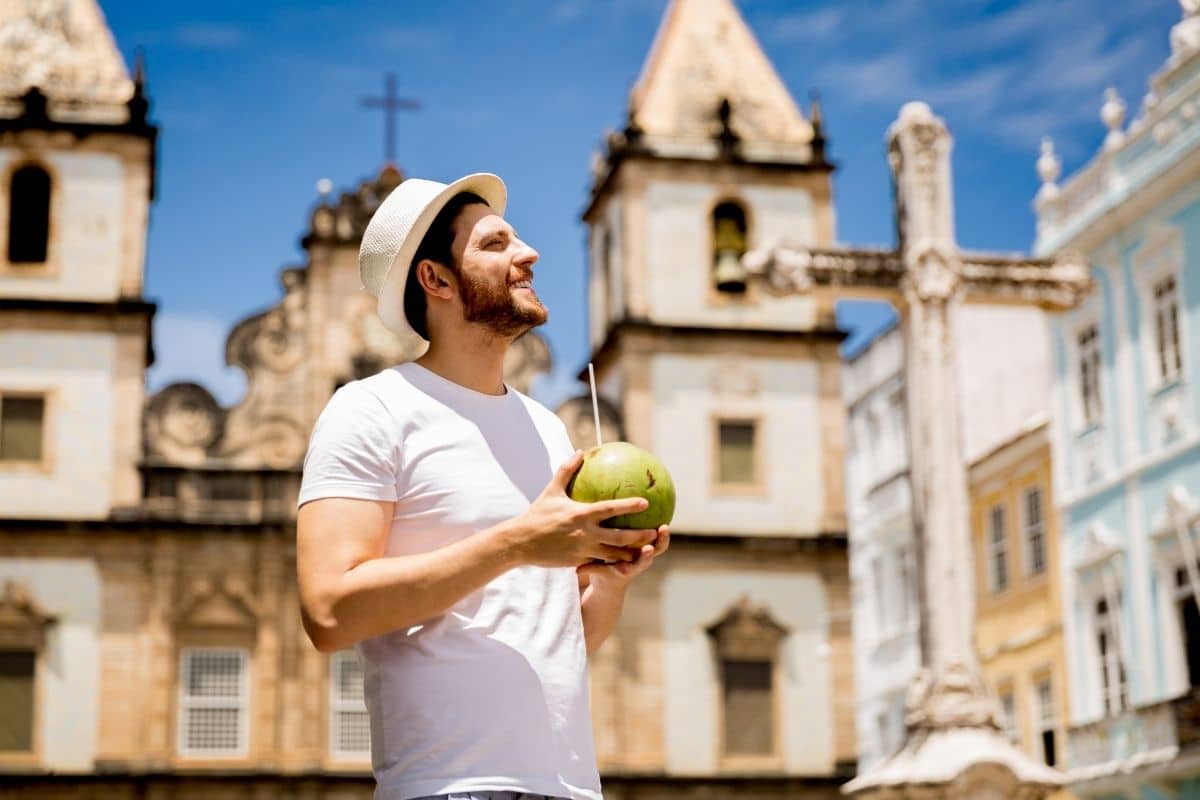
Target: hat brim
391, 294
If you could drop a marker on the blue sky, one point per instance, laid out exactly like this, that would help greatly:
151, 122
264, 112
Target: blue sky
257, 101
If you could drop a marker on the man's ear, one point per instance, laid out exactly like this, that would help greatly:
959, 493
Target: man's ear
434, 278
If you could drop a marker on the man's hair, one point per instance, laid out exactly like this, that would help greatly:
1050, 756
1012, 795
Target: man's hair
435, 247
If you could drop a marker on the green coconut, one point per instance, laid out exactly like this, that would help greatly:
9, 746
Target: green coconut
617, 470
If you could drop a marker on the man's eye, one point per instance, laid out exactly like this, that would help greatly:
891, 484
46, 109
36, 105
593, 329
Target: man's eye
493, 243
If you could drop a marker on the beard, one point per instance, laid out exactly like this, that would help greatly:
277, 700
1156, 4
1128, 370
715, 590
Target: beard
498, 310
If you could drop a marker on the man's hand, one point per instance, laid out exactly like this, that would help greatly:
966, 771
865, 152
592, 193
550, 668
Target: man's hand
556, 531
617, 575
603, 586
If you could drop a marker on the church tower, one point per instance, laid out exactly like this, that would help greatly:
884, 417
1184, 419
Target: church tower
76, 184
731, 670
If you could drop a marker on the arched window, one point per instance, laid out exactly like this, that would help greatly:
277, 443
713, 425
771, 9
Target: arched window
29, 215
729, 245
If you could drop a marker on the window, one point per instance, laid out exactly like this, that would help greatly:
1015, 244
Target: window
1047, 720
747, 641
737, 455
21, 426
1166, 329
214, 703
17, 668
1089, 374
728, 247
1113, 685
1189, 619
349, 727
1035, 532
749, 707
1008, 714
997, 550
29, 215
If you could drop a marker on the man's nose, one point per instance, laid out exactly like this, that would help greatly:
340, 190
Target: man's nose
526, 255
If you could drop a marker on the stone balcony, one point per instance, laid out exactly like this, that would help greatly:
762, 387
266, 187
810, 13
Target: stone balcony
219, 496
1146, 740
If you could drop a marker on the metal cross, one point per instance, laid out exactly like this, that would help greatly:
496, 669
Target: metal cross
390, 104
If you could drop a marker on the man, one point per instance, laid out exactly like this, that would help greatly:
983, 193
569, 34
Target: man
435, 532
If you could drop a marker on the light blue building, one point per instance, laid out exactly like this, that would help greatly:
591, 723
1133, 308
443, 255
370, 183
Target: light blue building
1126, 433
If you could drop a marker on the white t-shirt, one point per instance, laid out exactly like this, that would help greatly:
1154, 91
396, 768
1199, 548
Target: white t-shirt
492, 694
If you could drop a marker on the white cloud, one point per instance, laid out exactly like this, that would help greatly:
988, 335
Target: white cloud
807, 25
404, 37
191, 347
566, 11
1013, 76
210, 35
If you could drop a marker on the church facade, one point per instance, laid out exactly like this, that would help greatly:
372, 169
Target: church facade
150, 641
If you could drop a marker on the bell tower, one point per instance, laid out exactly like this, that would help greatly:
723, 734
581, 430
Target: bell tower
76, 184
715, 159
739, 394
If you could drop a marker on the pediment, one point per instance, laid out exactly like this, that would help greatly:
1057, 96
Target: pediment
1099, 546
217, 603
23, 622
747, 631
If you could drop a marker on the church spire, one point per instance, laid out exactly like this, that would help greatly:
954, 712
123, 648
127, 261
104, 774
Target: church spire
66, 50
703, 54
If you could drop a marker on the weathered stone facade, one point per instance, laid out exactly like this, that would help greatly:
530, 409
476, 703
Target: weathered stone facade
149, 553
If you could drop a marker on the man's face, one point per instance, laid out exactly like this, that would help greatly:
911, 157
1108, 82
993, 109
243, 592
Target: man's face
495, 273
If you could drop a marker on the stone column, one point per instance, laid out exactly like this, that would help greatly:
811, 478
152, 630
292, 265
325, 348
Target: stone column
953, 747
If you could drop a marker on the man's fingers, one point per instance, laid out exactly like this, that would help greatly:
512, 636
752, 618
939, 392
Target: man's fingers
562, 476
610, 554
619, 537
663, 541
614, 508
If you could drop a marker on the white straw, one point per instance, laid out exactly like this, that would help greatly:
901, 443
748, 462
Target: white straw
595, 404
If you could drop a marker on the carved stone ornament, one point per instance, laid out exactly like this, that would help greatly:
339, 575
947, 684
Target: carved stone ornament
576, 414
344, 220
747, 632
527, 357
786, 269
274, 339
378, 346
63, 47
955, 699
932, 275
23, 623
1185, 36
223, 601
268, 427
1099, 546
182, 424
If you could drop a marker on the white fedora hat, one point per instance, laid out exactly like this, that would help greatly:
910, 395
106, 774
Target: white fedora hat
396, 230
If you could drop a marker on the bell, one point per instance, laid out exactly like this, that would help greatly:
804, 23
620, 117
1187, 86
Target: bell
728, 272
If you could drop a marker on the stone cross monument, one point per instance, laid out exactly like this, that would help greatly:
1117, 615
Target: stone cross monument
953, 747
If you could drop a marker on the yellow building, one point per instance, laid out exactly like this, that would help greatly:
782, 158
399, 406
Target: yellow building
1018, 625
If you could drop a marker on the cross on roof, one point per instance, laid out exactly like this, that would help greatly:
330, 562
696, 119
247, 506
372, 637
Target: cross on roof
390, 103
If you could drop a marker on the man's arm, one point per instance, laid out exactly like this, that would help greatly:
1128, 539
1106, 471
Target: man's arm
602, 589
350, 591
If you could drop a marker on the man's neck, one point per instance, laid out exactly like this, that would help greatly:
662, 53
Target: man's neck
471, 359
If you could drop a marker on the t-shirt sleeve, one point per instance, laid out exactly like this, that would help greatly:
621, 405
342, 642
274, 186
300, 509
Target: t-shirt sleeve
352, 451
